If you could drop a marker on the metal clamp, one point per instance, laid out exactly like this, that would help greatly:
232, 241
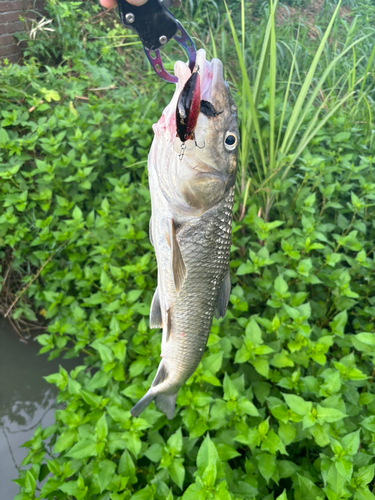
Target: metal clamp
156, 26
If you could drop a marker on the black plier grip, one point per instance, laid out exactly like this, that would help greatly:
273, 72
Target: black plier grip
156, 26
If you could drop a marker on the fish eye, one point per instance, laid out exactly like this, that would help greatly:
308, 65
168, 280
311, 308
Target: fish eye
230, 141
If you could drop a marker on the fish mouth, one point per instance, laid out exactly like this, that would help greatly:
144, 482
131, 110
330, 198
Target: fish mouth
211, 73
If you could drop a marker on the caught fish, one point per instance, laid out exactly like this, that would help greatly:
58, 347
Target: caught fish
190, 229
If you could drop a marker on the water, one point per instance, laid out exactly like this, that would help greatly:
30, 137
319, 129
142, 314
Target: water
26, 401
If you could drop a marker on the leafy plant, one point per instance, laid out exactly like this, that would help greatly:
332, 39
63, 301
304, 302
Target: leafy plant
281, 406
294, 115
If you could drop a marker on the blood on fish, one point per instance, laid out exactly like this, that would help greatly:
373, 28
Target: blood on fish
188, 107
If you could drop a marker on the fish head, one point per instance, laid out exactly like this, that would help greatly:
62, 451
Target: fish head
196, 175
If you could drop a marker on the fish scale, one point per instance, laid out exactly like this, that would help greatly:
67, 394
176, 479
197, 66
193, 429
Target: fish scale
205, 250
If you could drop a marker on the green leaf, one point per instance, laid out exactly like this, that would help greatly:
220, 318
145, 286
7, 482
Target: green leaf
287, 432
83, 449
143, 494
230, 391
194, 492
106, 472
133, 442
281, 286
126, 465
207, 454
177, 471
248, 407
328, 414
366, 338
338, 324
267, 465
213, 362
262, 366
281, 360
209, 475
363, 494
154, 452
71, 488
308, 489
254, 333
345, 468
365, 474
175, 442
30, 483
297, 404
65, 440
350, 442
282, 496
101, 428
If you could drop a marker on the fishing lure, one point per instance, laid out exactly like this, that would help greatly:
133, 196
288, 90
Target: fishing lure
188, 107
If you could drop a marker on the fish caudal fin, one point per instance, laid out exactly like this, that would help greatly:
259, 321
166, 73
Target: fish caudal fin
166, 403
143, 403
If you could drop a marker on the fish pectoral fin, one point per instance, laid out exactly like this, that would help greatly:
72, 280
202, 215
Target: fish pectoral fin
166, 403
156, 320
178, 265
223, 297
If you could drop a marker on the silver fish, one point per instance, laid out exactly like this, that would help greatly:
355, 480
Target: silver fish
192, 191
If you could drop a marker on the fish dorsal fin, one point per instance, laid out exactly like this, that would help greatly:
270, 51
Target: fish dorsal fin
178, 266
156, 320
223, 297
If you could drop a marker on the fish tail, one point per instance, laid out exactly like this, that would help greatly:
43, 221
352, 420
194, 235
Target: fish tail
143, 403
166, 403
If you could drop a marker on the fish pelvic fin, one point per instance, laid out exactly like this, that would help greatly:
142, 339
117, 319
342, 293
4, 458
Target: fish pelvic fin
178, 265
223, 297
166, 403
143, 403
155, 311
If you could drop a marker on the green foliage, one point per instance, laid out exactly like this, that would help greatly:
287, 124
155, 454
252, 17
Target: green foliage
82, 32
281, 406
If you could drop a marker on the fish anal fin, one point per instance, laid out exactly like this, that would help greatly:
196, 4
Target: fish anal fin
161, 375
166, 403
223, 297
156, 320
178, 265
